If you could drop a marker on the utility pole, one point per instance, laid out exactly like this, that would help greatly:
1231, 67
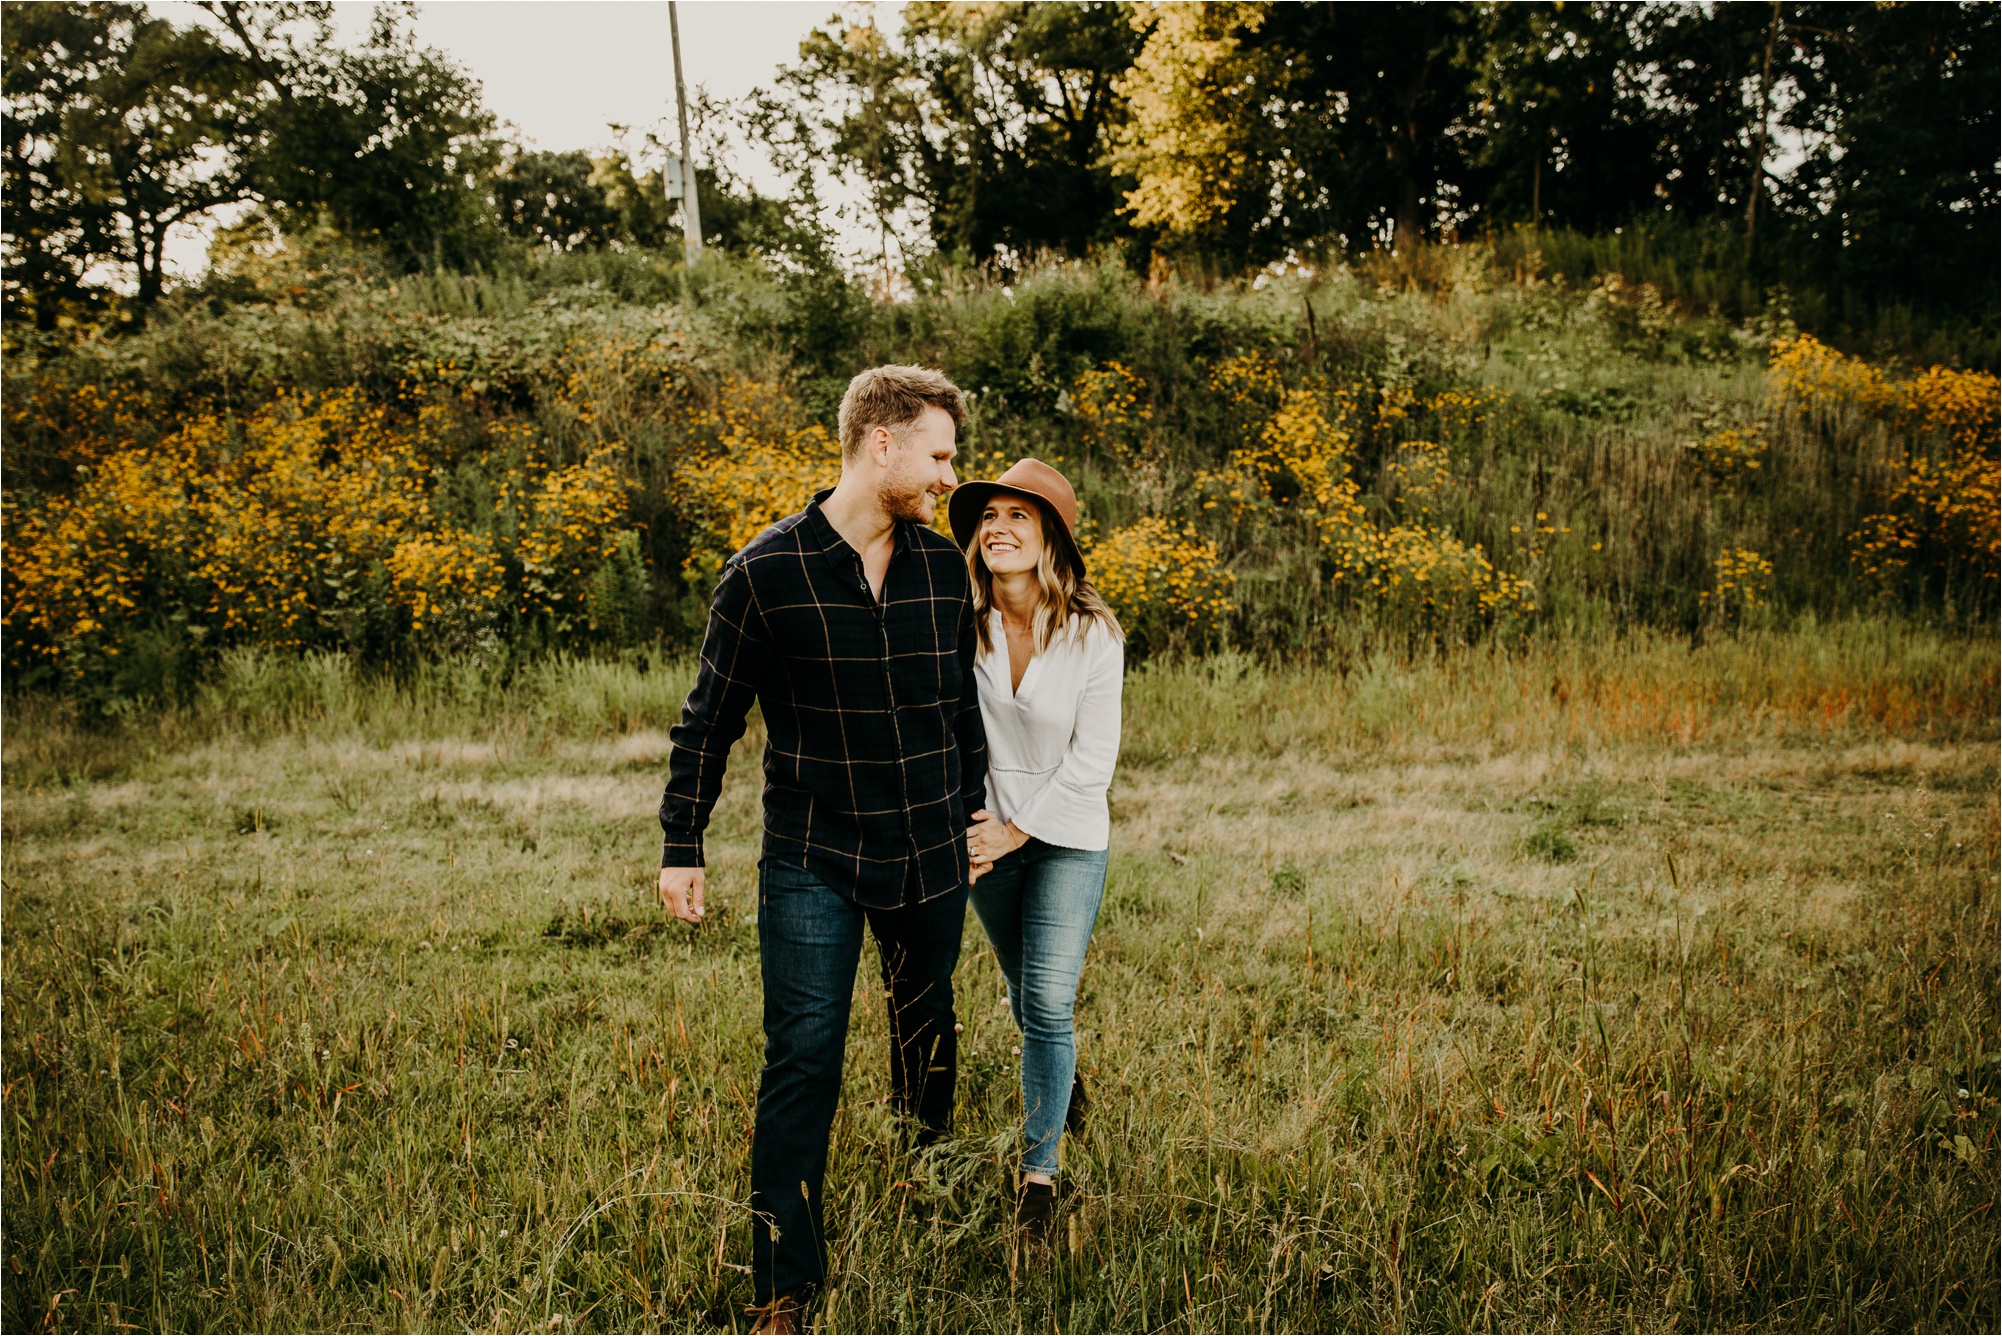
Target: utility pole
691, 208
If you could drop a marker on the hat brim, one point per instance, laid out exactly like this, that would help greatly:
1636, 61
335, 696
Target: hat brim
963, 507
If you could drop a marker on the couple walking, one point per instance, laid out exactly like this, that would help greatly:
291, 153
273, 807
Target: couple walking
942, 724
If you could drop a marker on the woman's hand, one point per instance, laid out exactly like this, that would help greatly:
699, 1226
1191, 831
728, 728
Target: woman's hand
989, 838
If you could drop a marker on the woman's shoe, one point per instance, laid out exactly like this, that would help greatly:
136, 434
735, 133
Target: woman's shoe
1080, 1106
1036, 1211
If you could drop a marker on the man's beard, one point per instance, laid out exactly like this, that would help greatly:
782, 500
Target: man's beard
901, 501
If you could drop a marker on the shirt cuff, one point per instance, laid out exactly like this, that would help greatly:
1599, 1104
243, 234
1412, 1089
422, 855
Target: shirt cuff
681, 852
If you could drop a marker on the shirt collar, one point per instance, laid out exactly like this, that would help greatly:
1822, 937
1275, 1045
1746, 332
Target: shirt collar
829, 540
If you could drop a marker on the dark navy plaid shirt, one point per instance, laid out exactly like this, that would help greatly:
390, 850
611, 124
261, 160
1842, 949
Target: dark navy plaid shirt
875, 754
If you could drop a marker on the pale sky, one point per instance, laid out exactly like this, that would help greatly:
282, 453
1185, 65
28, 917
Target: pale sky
560, 71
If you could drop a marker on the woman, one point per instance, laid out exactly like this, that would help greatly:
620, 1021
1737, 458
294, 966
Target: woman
1049, 668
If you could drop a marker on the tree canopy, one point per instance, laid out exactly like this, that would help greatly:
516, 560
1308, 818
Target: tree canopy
1846, 147
1861, 139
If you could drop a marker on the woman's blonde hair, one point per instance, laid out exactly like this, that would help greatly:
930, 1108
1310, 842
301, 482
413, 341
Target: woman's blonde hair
1063, 597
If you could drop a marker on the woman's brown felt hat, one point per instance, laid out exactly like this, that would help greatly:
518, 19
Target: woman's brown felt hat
1027, 477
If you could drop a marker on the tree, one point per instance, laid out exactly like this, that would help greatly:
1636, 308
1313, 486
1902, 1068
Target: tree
1898, 192
1560, 131
119, 128
52, 229
1697, 69
990, 119
638, 199
1382, 89
387, 141
1258, 128
555, 199
1192, 142
573, 201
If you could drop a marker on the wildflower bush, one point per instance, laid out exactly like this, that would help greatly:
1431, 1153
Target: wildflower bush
1111, 403
276, 529
318, 521
1807, 374
567, 524
752, 462
453, 582
396, 468
1112, 406
53, 427
492, 486
1935, 520
1297, 472
1166, 583
1729, 458
1743, 580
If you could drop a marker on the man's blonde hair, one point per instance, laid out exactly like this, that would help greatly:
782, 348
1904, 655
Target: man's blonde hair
894, 397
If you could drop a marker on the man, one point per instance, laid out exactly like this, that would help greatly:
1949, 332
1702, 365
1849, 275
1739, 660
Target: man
851, 623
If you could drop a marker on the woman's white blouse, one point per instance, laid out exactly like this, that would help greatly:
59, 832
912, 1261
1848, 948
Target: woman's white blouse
1052, 746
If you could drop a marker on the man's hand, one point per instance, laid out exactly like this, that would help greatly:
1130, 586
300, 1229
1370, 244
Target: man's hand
681, 891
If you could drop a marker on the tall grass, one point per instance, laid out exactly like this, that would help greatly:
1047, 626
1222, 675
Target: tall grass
1808, 683
1589, 985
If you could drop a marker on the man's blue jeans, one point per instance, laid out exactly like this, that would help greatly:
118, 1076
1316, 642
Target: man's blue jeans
810, 941
1039, 905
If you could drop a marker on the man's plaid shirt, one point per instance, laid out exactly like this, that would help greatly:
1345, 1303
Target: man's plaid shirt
875, 753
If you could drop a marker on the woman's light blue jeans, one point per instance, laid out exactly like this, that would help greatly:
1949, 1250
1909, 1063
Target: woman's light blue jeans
1039, 905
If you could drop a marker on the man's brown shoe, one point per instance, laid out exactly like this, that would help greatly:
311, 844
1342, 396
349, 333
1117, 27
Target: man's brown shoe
783, 1316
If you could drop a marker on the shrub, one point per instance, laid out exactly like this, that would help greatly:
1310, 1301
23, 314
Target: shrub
1743, 582
1297, 473
753, 462
1936, 522
1166, 584
311, 523
1731, 457
1550, 841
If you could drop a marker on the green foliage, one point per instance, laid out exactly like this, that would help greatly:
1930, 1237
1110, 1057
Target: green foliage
1021, 347
1236, 135
1549, 840
1842, 152
122, 126
119, 127
1701, 266
575, 202
618, 598
553, 198
1909, 170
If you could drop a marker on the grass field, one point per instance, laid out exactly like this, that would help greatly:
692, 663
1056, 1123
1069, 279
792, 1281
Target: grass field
1597, 985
